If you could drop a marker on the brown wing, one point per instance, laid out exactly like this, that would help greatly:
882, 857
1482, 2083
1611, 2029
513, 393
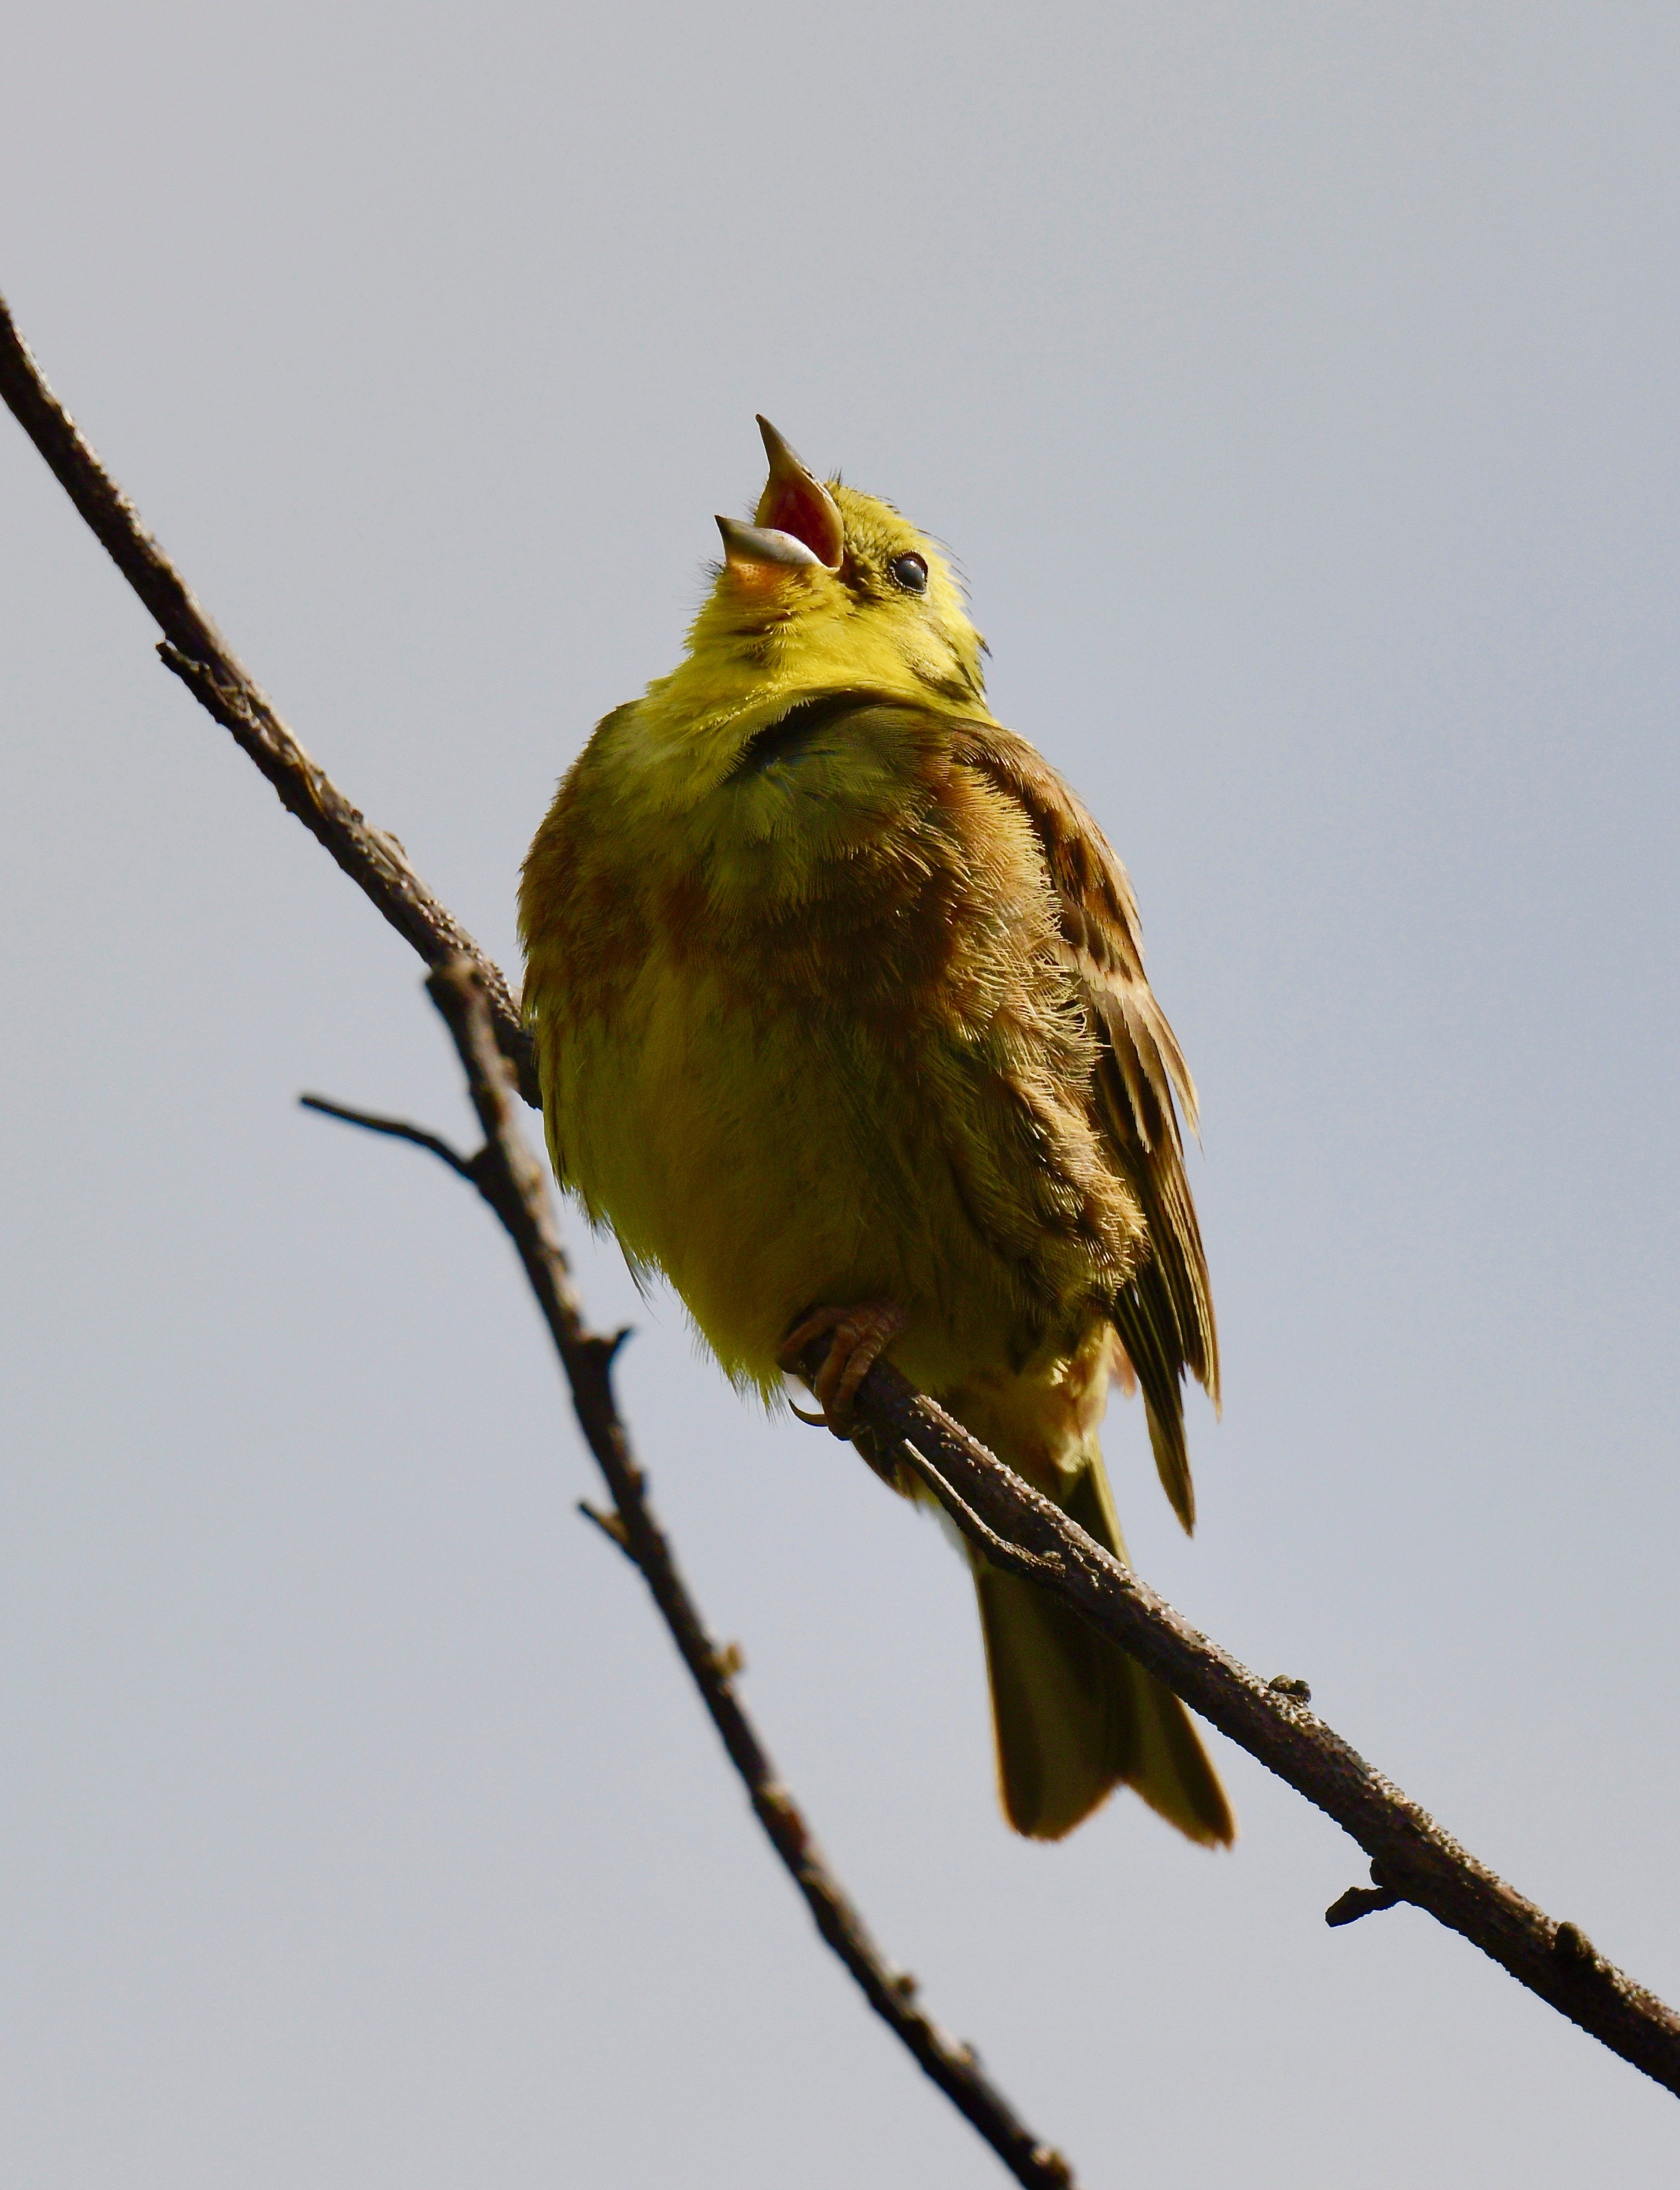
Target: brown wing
1165, 1315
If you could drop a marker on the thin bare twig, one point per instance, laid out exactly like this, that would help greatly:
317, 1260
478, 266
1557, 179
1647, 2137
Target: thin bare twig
514, 1182
398, 1129
1412, 1859
1013, 1524
201, 657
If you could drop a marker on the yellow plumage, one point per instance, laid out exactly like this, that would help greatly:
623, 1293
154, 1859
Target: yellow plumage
839, 1005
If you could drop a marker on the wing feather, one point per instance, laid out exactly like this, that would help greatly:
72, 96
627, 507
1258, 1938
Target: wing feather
1165, 1314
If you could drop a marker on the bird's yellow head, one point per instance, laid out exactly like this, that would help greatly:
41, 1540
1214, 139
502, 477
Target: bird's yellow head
830, 587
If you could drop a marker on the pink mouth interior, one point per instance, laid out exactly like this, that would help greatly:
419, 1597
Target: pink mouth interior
792, 506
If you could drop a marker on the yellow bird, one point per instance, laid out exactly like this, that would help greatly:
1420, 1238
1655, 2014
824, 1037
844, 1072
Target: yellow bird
842, 1025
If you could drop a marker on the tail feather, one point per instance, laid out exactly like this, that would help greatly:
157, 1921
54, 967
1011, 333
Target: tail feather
1074, 1716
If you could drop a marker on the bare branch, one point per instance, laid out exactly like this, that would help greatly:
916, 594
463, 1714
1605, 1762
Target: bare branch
199, 656
514, 1182
1412, 1859
398, 1129
1010, 1520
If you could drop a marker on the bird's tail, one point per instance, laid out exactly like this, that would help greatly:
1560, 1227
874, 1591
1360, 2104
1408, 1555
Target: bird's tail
1075, 1717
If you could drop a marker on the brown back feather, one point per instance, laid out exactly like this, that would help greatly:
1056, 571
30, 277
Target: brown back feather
1165, 1314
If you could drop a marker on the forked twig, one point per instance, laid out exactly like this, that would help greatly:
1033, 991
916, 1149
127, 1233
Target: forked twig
1412, 1859
514, 1182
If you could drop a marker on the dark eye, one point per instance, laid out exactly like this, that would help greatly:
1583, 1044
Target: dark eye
911, 572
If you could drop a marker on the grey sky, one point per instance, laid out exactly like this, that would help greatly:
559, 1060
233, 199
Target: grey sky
1296, 385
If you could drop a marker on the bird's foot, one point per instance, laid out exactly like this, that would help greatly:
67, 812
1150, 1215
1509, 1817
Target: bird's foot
861, 1335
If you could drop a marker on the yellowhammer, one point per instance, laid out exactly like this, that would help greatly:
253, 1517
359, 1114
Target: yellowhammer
842, 1023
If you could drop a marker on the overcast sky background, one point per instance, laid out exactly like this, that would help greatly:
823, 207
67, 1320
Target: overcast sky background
1297, 386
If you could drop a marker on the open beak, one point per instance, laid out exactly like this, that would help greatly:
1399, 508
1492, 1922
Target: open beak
796, 521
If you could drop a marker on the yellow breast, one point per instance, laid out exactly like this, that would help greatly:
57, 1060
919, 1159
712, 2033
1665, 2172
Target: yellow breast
805, 1038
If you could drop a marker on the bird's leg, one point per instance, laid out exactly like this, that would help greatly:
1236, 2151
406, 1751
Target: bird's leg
861, 1335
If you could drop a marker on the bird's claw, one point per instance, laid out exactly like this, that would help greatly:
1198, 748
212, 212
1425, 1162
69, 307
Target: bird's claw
790, 1384
861, 1335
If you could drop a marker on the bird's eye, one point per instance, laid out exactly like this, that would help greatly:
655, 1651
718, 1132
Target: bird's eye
911, 573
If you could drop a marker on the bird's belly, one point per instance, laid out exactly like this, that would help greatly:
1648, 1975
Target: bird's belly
767, 1161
